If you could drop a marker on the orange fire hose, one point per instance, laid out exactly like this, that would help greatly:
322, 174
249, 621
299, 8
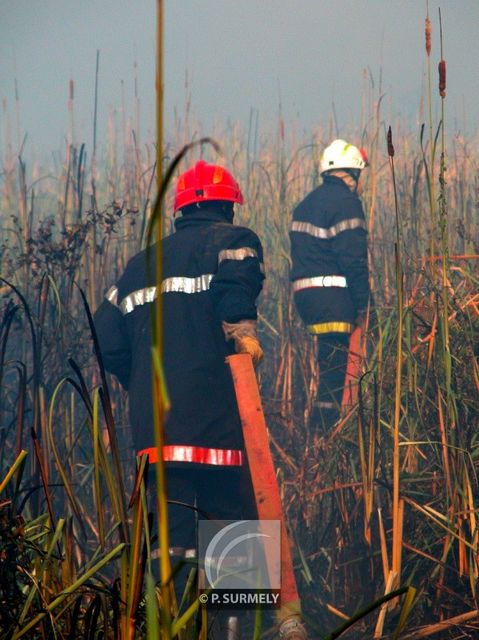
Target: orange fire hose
357, 349
263, 475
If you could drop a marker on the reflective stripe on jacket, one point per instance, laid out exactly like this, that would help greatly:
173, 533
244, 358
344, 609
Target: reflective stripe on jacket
329, 258
212, 271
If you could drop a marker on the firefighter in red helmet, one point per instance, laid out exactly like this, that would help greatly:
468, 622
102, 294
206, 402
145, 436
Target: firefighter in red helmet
212, 275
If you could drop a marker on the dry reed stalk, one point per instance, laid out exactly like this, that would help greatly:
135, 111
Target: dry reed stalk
421, 553
342, 422
281, 372
475, 373
271, 228
337, 612
374, 176
66, 182
335, 487
432, 340
442, 521
8, 161
287, 393
284, 456
397, 542
71, 110
397, 506
367, 464
463, 568
472, 256
471, 515
444, 444
160, 397
384, 547
43, 420
444, 625
391, 581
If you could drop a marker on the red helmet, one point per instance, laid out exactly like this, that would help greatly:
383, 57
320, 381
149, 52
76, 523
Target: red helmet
206, 182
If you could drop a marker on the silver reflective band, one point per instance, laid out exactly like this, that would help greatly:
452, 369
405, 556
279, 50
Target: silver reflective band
320, 281
137, 298
177, 284
175, 551
181, 284
112, 295
329, 232
236, 254
326, 405
239, 254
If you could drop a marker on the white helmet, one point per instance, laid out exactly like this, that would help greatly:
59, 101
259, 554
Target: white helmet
342, 155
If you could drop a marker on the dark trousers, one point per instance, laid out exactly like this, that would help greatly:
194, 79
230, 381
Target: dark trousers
217, 493
333, 350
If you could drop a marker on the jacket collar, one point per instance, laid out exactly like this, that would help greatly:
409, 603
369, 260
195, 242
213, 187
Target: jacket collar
331, 179
339, 182
204, 216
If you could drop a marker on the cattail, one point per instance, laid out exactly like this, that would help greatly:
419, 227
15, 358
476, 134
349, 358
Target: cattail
442, 78
71, 90
390, 143
427, 32
281, 129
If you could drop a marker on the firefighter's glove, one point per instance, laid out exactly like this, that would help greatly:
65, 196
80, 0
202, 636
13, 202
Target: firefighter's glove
246, 344
292, 629
246, 341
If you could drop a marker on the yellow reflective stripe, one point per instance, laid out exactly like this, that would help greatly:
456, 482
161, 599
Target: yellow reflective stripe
330, 327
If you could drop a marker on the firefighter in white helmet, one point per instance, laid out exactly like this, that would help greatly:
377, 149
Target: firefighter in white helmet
330, 276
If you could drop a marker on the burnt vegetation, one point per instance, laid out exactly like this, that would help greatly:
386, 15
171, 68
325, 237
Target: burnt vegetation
388, 499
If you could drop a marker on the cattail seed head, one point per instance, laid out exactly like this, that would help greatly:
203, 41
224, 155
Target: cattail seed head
71, 90
427, 32
442, 78
390, 143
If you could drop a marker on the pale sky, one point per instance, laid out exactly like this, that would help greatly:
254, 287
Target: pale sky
233, 56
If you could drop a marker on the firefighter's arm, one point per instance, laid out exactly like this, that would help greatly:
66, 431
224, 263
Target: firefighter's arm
114, 343
350, 247
235, 288
245, 338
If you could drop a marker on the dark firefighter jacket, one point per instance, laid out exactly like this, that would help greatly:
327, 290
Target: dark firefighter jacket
330, 260
212, 271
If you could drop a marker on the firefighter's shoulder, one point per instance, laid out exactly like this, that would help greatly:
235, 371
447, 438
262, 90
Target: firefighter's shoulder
135, 273
234, 234
308, 203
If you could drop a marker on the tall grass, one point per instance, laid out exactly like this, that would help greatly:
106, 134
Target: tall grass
389, 498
